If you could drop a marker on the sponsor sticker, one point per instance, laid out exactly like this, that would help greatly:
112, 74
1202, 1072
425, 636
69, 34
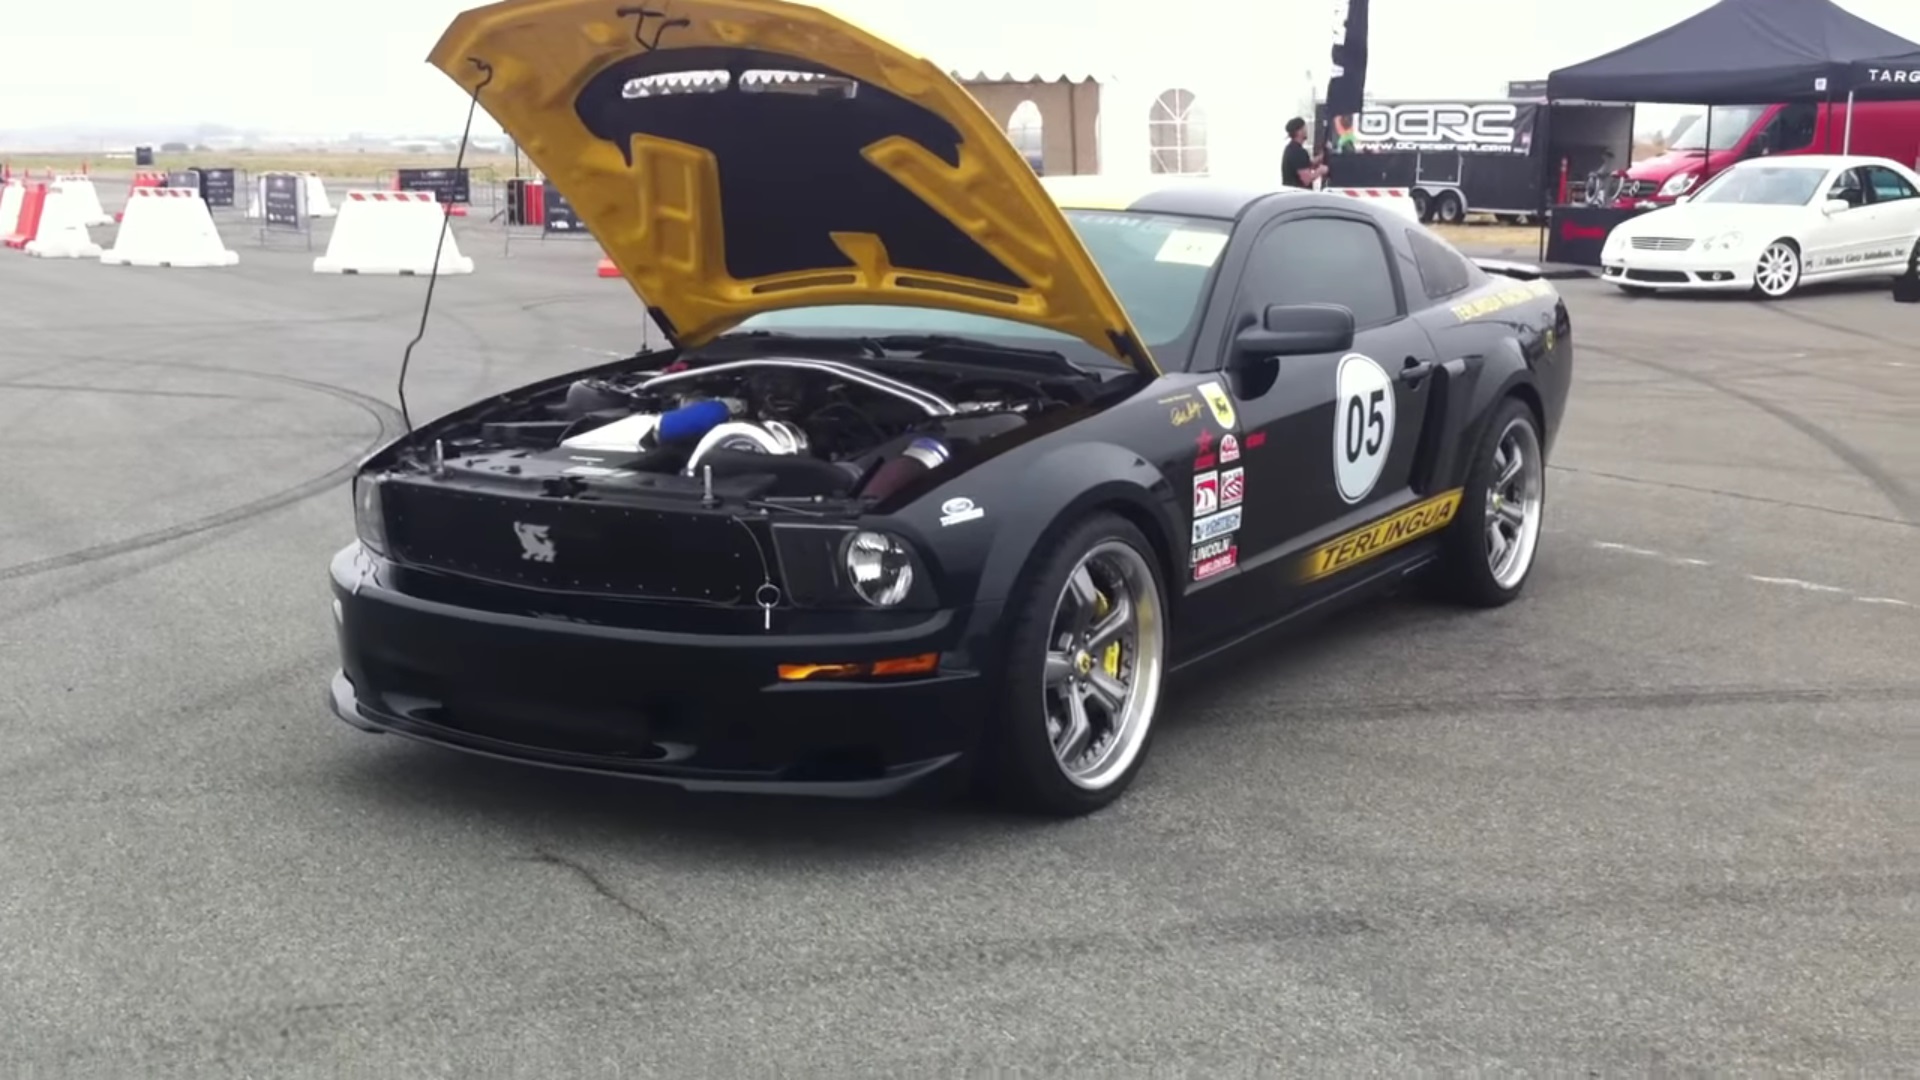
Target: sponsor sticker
1500, 301
1203, 450
1185, 413
1220, 524
1378, 537
1192, 247
1256, 440
1212, 549
1217, 565
1219, 402
1229, 448
958, 511
1206, 493
1233, 487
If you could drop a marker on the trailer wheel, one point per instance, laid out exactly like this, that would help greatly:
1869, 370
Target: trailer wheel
1447, 208
1422, 206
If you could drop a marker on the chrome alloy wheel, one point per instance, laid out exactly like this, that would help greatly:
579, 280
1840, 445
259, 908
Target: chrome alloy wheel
1101, 680
1778, 271
1514, 503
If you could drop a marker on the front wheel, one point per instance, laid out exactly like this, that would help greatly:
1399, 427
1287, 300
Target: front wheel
1490, 548
1083, 676
1777, 274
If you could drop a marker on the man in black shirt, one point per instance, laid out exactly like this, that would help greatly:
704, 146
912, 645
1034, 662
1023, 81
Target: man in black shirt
1297, 167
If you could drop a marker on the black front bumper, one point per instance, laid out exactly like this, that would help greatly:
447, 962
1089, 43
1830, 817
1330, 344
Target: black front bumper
702, 711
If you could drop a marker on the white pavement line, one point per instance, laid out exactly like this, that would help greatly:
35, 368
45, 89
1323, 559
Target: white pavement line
1786, 582
1795, 583
602, 352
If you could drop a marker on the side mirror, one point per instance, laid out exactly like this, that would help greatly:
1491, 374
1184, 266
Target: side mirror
1836, 206
1296, 330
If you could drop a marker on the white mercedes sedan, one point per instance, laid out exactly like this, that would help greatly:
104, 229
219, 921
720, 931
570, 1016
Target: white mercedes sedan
1772, 224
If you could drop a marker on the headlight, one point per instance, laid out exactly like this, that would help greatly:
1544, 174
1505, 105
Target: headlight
369, 515
1722, 242
1679, 183
879, 567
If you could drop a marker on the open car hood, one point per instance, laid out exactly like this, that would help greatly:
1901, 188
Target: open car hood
766, 193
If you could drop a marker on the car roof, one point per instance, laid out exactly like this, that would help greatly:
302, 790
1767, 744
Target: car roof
1816, 161
1189, 196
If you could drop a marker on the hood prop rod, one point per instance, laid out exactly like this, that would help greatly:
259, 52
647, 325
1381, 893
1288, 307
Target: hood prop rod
446, 225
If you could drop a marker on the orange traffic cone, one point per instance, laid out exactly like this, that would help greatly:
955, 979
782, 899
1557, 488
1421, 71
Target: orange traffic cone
607, 269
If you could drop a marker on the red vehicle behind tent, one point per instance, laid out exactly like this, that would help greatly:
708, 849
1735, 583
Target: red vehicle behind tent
1888, 129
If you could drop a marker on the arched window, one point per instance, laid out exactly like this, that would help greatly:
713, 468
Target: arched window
1177, 132
1027, 130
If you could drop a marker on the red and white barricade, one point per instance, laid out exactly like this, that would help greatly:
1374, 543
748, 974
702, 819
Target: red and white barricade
11, 198
168, 227
63, 225
391, 232
1398, 200
79, 188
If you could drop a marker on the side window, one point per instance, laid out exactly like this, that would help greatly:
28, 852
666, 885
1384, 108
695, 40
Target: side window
1888, 186
1792, 128
1323, 261
1442, 271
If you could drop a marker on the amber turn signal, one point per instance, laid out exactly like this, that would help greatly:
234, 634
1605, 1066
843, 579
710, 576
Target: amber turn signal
923, 664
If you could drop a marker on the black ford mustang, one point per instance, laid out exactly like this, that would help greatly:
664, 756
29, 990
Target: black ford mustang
945, 463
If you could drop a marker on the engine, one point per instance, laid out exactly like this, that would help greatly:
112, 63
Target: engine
769, 427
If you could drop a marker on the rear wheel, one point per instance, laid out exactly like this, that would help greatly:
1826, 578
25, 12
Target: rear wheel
1084, 673
1490, 548
1777, 274
1449, 209
1422, 206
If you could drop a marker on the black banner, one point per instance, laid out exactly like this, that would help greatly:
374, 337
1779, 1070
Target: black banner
184, 178
216, 186
142, 156
1465, 127
560, 215
454, 187
283, 199
1347, 89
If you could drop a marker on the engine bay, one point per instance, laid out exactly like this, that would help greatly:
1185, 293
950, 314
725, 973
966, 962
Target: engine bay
770, 428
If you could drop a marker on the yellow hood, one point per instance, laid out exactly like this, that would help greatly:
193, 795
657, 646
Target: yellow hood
717, 204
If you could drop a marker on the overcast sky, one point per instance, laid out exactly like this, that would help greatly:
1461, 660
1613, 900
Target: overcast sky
339, 65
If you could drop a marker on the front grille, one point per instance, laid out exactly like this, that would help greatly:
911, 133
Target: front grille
576, 546
1660, 243
1637, 189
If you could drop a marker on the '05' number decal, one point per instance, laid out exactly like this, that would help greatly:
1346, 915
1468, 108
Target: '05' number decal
1362, 425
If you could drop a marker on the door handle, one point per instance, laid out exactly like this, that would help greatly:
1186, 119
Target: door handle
1415, 370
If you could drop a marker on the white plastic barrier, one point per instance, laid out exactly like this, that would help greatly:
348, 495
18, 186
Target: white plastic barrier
63, 227
87, 197
318, 205
1398, 200
168, 227
11, 197
391, 232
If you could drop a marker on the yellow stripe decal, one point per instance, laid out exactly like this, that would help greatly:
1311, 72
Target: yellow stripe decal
1379, 537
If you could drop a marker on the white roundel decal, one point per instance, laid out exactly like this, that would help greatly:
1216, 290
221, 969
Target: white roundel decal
1362, 425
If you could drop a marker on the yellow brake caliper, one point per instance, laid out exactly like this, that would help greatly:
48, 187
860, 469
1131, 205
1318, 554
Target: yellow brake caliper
1110, 657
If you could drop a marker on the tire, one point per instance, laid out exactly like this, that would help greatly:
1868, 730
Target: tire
1471, 572
1422, 207
1046, 666
1448, 209
1784, 255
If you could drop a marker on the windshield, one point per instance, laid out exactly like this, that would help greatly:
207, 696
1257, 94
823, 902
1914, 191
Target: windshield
1773, 185
1157, 264
1730, 124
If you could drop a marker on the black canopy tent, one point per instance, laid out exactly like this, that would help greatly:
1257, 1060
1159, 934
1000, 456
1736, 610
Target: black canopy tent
1740, 52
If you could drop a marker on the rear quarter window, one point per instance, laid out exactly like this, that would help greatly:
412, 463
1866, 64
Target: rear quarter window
1443, 273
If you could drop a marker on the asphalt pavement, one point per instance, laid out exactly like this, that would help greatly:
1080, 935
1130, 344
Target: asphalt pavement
1660, 815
